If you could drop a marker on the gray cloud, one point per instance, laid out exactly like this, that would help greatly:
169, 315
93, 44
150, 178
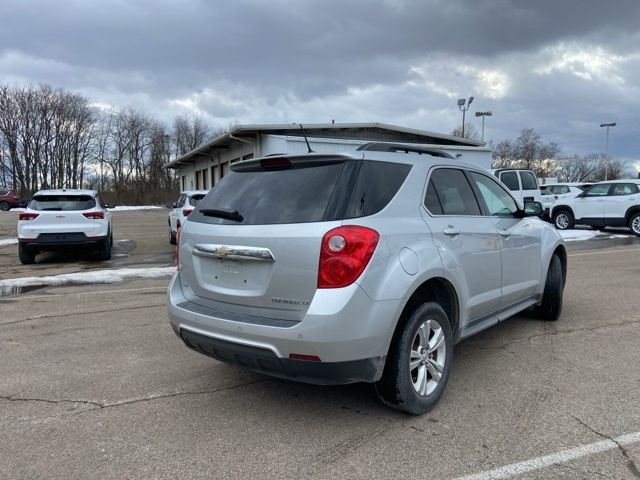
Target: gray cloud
560, 67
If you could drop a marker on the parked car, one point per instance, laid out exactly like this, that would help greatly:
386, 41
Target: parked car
8, 199
554, 192
522, 183
360, 267
181, 209
65, 220
606, 204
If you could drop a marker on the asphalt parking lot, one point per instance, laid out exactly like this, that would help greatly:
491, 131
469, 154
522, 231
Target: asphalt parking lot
94, 384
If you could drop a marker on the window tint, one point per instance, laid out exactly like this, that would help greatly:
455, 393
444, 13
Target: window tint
510, 179
375, 186
304, 192
497, 199
195, 199
625, 189
180, 201
528, 181
599, 190
431, 200
454, 192
62, 202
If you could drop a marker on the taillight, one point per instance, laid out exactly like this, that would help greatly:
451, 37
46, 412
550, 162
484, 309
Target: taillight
344, 254
28, 216
94, 215
187, 211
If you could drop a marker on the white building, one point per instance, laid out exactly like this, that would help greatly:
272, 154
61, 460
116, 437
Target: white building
206, 165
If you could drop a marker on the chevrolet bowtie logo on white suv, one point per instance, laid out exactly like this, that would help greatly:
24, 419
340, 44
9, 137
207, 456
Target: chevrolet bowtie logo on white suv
400, 255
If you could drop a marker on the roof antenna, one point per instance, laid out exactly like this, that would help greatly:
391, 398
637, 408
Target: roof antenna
305, 139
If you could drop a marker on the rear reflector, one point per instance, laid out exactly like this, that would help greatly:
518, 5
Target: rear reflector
187, 211
307, 358
94, 215
28, 216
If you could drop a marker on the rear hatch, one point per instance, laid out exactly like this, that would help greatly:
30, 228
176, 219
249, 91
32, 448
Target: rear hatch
61, 213
252, 245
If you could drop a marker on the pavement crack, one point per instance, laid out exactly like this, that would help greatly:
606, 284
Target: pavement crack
631, 465
39, 317
13, 398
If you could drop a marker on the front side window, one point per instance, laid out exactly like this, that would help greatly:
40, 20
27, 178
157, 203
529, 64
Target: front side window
528, 181
453, 194
62, 202
498, 201
600, 190
625, 189
510, 179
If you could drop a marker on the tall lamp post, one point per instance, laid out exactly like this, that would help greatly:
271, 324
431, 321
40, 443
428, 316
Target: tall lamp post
606, 156
463, 109
483, 114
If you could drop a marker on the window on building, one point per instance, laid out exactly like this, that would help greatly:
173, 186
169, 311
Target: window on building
204, 179
183, 182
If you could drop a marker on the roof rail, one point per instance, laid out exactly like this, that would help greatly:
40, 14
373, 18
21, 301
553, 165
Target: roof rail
401, 148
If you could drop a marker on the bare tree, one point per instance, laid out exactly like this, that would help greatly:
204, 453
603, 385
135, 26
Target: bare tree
579, 168
470, 132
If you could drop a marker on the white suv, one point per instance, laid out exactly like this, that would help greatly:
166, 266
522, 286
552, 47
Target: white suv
64, 219
559, 191
181, 209
606, 204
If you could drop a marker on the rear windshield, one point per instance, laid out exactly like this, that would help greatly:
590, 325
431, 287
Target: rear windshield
195, 200
62, 202
314, 192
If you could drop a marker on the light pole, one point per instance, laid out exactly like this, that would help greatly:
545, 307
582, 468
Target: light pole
463, 109
606, 156
483, 114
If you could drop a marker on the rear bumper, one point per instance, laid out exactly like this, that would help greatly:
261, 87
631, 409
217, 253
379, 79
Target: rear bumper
348, 331
264, 361
61, 241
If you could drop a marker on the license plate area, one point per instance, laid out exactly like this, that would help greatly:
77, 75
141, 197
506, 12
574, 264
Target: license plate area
233, 276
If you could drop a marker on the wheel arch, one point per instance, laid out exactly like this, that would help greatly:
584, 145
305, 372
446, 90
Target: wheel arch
561, 252
631, 211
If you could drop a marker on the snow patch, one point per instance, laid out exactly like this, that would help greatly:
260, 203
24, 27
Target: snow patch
96, 276
577, 235
8, 241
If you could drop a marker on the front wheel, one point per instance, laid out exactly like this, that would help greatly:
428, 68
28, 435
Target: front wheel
419, 361
551, 306
634, 224
563, 220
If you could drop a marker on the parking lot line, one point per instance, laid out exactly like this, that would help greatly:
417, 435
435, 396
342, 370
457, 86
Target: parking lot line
555, 458
604, 252
102, 292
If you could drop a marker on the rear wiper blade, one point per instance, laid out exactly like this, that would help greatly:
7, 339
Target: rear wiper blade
226, 213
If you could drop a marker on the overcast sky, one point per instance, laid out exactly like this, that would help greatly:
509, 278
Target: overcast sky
561, 67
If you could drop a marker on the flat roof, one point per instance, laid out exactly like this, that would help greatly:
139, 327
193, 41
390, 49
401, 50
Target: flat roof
326, 130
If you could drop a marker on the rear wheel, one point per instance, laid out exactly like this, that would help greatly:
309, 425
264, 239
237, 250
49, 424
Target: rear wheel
634, 224
104, 249
419, 361
563, 220
551, 306
26, 257
172, 235
4, 206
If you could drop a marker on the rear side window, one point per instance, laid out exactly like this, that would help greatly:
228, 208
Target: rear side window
304, 192
195, 199
625, 189
453, 193
528, 181
62, 202
510, 179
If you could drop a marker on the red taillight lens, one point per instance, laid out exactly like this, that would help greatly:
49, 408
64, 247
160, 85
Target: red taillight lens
28, 216
344, 254
93, 215
187, 211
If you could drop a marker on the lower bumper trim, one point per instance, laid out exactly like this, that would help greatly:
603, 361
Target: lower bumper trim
265, 361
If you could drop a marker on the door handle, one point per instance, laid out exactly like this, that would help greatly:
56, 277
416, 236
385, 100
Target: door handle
504, 233
451, 231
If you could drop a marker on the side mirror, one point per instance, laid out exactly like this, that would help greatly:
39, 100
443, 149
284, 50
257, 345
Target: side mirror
532, 209
580, 195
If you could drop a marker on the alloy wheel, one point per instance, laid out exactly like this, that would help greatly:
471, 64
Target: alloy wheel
562, 221
427, 359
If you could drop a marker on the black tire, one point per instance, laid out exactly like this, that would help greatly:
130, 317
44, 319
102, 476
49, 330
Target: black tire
396, 387
564, 218
111, 239
172, 236
634, 224
104, 249
551, 306
26, 257
4, 206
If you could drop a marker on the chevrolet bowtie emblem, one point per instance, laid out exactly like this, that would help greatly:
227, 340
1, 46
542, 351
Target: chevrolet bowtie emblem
223, 251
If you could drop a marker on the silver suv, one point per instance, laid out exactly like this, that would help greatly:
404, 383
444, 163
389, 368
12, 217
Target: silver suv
360, 267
